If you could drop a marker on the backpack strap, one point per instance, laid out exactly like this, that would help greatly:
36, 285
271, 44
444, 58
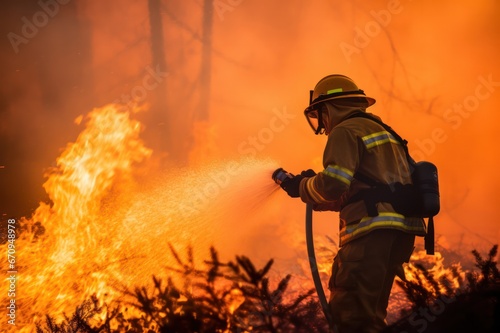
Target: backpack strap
370, 196
429, 236
378, 191
389, 129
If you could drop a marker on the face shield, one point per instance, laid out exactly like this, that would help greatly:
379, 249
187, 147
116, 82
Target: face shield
314, 117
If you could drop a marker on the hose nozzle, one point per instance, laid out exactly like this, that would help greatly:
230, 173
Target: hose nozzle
280, 175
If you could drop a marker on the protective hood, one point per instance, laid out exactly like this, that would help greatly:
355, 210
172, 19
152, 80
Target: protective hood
337, 113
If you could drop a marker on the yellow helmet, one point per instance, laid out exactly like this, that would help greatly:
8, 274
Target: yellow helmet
334, 87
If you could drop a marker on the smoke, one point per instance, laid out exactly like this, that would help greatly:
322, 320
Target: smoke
431, 66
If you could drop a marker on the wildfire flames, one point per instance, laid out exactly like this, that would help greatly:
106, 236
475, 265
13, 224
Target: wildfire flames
101, 234
77, 256
453, 274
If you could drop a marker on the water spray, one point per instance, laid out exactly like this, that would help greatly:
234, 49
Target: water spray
279, 176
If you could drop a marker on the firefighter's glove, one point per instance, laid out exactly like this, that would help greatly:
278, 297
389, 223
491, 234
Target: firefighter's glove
308, 173
291, 185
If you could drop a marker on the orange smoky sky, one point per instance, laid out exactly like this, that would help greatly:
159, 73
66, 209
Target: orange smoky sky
431, 65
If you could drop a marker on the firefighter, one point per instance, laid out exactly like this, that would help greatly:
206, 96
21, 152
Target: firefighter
373, 244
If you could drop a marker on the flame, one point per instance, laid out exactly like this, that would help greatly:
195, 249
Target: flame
67, 264
103, 233
234, 299
437, 269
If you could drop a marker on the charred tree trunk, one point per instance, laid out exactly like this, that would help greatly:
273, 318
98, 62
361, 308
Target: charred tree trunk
160, 123
206, 61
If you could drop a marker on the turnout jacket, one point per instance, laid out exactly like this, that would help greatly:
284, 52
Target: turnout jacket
359, 145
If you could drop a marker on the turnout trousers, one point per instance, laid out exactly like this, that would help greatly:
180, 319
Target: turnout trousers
362, 276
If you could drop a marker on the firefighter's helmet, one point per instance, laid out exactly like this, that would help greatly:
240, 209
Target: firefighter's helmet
337, 89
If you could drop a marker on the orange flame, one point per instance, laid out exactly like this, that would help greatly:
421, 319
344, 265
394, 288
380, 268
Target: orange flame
437, 270
65, 266
103, 233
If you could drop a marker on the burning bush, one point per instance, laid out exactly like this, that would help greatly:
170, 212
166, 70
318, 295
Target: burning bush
439, 304
221, 297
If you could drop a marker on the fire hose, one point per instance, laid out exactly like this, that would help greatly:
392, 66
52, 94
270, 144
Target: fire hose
314, 266
279, 176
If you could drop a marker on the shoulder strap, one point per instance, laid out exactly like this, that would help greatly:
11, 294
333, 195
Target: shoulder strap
389, 129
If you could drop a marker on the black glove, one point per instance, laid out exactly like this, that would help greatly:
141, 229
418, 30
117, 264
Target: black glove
291, 185
308, 173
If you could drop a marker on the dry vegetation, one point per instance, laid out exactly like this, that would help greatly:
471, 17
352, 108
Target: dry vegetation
236, 296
